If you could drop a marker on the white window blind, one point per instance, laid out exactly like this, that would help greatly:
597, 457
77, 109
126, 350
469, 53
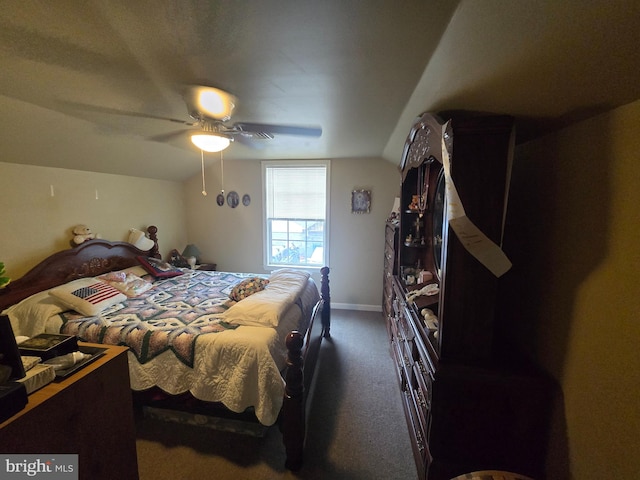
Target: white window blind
295, 213
296, 192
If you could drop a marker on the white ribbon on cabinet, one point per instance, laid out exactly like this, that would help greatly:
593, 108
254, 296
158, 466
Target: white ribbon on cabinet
471, 237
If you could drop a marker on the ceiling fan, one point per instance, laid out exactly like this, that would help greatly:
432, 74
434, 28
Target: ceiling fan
211, 107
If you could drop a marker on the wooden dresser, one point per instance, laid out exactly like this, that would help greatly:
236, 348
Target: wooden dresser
90, 413
390, 266
469, 404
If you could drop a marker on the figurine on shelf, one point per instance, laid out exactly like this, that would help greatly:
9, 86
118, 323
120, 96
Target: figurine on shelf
418, 229
413, 206
408, 240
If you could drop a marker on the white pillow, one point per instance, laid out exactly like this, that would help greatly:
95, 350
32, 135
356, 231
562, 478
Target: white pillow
265, 308
289, 275
29, 316
88, 296
262, 309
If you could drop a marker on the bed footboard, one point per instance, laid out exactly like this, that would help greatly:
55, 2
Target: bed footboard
302, 355
293, 412
325, 293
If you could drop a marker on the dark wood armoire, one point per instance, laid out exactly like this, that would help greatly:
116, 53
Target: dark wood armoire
471, 404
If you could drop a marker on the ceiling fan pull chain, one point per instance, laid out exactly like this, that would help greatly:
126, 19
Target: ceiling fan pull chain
222, 172
204, 189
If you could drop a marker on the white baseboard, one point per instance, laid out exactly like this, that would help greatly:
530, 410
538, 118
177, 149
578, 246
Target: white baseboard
352, 306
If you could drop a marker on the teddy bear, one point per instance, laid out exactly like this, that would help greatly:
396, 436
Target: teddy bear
82, 233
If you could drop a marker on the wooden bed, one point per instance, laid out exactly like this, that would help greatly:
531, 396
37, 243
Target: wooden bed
97, 257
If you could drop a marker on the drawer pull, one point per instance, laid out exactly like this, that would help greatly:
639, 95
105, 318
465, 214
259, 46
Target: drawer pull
423, 370
421, 399
419, 441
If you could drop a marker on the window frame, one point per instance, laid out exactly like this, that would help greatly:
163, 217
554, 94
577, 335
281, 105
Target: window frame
266, 250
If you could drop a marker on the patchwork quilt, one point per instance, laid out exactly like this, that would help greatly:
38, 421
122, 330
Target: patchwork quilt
184, 336
170, 316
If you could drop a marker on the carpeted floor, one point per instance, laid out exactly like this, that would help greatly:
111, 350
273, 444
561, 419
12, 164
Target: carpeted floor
357, 426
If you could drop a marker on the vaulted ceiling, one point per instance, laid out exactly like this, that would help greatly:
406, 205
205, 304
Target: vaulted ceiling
90, 85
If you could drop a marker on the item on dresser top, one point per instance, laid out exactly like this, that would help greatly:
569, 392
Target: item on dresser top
49, 345
66, 365
89, 355
67, 361
29, 361
37, 377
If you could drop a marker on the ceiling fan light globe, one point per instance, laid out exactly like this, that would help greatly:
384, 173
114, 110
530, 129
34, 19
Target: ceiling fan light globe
210, 142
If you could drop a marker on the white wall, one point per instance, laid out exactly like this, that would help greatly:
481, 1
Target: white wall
232, 238
34, 224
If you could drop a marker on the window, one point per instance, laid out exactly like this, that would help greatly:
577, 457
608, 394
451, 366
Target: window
296, 213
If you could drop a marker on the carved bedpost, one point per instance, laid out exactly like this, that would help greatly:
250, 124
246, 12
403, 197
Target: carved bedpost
326, 306
293, 415
155, 250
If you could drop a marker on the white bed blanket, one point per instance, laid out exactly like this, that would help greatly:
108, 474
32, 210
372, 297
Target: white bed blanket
240, 368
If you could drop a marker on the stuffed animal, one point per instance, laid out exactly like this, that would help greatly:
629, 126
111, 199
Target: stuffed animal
82, 233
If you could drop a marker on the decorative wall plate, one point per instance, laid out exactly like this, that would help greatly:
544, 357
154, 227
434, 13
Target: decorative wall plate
246, 199
220, 199
233, 199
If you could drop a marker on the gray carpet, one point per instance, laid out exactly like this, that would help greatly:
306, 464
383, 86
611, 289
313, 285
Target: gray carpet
357, 426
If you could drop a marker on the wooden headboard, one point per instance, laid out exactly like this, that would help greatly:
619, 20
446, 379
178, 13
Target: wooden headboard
89, 259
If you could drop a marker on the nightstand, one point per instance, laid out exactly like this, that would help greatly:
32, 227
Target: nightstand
209, 267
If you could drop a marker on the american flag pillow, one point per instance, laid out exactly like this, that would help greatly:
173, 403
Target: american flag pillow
88, 296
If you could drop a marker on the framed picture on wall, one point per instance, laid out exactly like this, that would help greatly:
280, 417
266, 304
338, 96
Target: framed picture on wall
361, 201
233, 199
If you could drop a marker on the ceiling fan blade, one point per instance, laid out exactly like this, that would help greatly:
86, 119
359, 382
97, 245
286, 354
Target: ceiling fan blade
114, 111
171, 136
269, 130
249, 141
180, 139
